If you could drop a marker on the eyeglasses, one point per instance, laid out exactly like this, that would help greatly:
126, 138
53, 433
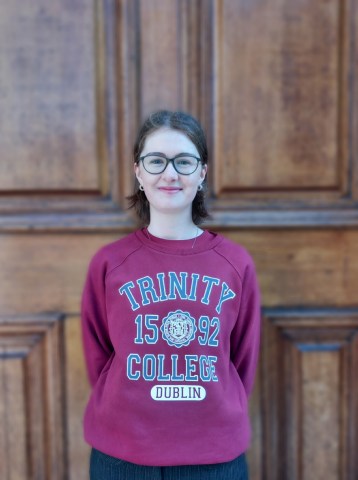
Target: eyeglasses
184, 163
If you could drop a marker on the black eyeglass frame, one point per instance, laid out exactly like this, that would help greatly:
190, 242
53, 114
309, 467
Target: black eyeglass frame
170, 160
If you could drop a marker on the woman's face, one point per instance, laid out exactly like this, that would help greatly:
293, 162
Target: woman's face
169, 191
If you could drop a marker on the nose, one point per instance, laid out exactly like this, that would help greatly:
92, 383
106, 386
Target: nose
170, 173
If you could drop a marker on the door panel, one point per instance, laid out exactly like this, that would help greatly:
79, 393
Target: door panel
32, 396
48, 101
310, 395
278, 81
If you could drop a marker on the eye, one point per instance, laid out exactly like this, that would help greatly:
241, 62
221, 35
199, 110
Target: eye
185, 161
155, 161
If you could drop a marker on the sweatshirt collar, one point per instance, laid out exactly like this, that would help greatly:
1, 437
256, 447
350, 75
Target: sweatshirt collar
205, 241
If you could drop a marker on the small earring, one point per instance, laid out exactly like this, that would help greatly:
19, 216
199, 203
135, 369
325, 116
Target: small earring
200, 187
141, 188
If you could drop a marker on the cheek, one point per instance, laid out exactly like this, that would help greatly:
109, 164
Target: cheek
143, 176
149, 183
192, 189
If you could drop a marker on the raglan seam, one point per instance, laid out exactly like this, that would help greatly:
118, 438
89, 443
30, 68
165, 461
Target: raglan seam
232, 265
122, 261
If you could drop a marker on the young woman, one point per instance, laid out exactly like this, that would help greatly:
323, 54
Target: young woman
171, 325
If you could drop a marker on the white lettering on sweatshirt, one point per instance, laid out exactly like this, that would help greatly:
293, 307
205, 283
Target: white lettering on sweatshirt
147, 290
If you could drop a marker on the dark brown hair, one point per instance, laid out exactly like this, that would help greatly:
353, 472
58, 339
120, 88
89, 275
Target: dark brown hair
187, 124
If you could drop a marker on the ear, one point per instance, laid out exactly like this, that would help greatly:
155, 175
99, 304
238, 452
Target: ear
204, 170
137, 172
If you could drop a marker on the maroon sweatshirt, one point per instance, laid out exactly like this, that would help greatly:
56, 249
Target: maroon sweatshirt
171, 337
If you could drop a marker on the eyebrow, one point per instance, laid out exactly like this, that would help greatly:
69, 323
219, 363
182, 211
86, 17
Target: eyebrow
165, 156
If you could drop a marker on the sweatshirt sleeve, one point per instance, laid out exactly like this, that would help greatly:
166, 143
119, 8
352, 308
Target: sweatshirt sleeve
96, 341
245, 337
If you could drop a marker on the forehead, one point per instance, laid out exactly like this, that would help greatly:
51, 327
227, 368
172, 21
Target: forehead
168, 141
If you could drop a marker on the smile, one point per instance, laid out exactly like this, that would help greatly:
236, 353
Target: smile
170, 189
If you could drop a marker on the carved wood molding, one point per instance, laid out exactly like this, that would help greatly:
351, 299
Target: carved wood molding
69, 141
32, 397
132, 75
125, 221
310, 393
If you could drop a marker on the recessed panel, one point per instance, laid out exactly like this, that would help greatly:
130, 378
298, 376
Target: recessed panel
32, 397
160, 48
308, 360
321, 409
293, 267
77, 389
47, 92
170, 55
13, 418
276, 86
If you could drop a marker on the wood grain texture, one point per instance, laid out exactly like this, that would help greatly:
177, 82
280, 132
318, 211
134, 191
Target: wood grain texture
13, 458
304, 267
154, 74
50, 271
48, 100
321, 391
159, 21
311, 62
277, 95
77, 390
306, 376
255, 451
32, 398
293, 267
274, 84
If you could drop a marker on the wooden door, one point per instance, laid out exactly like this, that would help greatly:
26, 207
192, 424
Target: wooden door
274, 83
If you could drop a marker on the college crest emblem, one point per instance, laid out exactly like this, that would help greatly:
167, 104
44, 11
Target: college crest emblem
178, 328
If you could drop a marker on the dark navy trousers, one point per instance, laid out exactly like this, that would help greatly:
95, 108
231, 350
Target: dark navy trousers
105, 467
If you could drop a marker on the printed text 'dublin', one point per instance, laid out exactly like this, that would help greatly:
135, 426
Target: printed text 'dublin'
178, 392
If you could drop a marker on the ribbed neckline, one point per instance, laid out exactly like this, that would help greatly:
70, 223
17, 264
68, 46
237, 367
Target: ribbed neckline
206, 241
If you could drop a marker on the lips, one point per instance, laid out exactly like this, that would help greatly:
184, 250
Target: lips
170, 189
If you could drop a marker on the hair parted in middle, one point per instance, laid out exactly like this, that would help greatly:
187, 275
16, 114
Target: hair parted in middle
189, 126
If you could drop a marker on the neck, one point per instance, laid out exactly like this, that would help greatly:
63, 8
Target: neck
172, 227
